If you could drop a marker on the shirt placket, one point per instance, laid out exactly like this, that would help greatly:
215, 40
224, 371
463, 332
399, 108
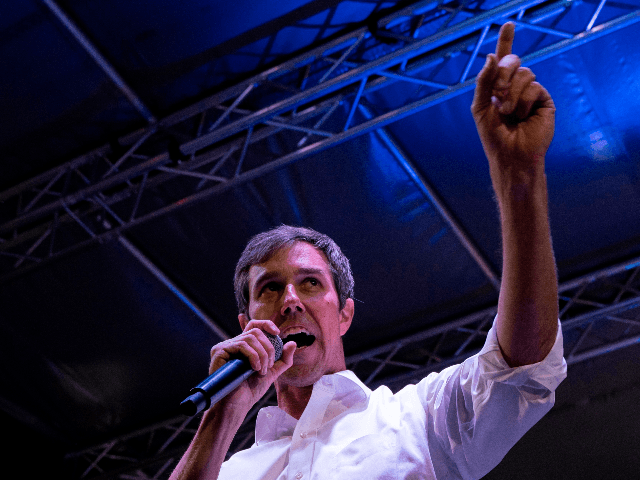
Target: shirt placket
304, 435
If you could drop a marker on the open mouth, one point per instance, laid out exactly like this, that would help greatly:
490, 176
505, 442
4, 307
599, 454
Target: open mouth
302, 339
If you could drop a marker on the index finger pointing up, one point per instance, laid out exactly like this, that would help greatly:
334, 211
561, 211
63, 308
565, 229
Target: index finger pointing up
505, 40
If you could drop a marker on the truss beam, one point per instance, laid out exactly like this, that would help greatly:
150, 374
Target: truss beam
219, 133
362, 72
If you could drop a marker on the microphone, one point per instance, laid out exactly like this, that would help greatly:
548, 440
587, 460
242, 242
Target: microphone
223, 381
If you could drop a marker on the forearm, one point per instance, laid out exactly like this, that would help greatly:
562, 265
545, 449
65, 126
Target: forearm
207, 450
528, 303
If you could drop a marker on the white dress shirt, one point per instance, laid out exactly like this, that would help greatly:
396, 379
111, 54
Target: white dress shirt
456, 424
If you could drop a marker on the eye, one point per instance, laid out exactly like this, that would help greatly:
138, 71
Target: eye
270, 287
312, 281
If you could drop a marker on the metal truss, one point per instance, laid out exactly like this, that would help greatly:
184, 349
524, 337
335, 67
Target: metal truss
218, 143
599, 313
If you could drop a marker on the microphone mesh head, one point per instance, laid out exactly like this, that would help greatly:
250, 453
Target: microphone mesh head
276, 341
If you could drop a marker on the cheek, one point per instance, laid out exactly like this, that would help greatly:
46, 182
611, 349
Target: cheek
257, 310
329, 302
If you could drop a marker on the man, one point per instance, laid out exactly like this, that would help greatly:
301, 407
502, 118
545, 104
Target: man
458, 423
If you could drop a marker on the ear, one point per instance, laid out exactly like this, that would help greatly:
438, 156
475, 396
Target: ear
243, 318
346, 315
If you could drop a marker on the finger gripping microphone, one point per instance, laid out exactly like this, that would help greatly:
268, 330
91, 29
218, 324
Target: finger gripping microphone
223, 381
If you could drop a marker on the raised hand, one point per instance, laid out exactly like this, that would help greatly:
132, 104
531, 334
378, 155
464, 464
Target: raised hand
514, 114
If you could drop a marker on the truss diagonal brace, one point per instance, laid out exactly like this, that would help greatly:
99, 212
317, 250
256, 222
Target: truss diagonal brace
101, 61
435, 200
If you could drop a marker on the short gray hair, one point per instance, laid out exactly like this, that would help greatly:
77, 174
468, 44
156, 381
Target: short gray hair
264, 245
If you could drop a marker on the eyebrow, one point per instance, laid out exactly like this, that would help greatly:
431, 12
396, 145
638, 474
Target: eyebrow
312, 271
262, 279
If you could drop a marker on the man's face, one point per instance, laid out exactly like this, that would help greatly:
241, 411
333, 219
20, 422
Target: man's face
295, 290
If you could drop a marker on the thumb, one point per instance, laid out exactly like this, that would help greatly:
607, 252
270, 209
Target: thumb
484, 85
286, 360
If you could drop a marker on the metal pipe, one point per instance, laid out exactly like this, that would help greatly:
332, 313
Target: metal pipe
474, 54
149, 265
595, 15
100, 60
538, 28
610, 347
606, 272
354, 105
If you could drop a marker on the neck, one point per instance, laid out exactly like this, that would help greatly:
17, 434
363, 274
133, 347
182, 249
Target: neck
293, 400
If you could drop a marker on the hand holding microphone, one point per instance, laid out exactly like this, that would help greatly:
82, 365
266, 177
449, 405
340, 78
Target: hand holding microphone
257, 350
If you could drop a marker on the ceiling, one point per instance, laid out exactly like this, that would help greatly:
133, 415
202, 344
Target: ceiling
143, 143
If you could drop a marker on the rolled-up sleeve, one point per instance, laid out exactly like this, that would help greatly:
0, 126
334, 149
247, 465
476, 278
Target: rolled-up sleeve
479, 409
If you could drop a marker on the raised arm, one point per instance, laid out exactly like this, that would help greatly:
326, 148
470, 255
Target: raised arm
515, 118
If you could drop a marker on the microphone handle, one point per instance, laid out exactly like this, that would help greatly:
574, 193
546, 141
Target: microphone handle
235, 372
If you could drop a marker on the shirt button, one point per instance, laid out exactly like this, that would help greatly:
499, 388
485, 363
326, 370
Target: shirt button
299, 475
303, 435
269, 415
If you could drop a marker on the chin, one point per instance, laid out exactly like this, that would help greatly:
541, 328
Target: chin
300, 376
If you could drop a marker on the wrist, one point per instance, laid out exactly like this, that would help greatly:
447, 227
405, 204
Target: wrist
221, 417
518, 181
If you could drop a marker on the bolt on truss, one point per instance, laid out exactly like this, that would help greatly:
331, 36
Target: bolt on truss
599, 313
219, 142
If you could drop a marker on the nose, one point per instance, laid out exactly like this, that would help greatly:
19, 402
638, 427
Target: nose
291, 302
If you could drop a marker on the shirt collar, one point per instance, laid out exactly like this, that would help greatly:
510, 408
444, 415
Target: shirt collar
347, 392
344, 382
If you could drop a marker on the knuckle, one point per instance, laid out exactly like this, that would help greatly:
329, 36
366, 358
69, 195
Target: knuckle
250, 344
218, 349
250, 326
525, 72
253, 332
255, 323
510, 61
531, 92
